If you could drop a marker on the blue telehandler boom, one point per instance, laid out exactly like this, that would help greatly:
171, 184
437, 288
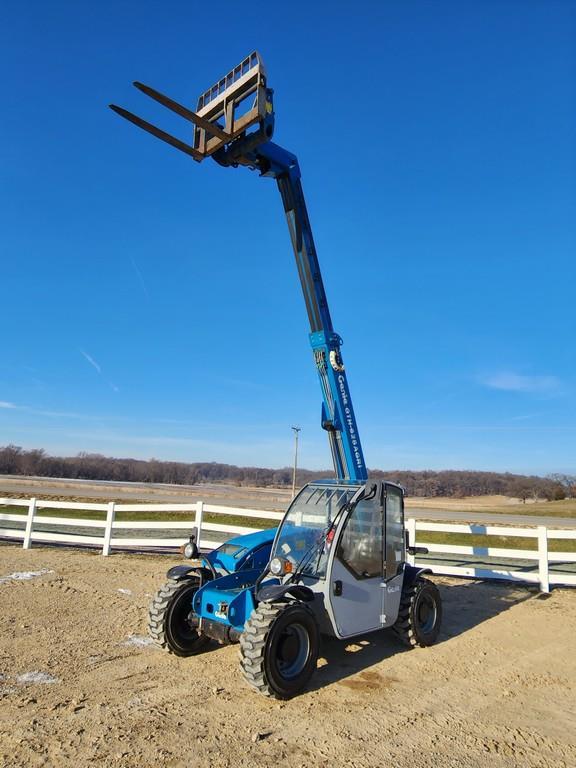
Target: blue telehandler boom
337, 563
220, 133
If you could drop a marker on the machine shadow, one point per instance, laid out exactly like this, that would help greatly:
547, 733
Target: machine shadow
465, 605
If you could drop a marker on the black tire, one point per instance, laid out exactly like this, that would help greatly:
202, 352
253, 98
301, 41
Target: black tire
279, 648
168, 614
420, 614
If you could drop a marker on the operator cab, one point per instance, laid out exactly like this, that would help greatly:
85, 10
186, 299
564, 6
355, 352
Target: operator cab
346, 543
305, 536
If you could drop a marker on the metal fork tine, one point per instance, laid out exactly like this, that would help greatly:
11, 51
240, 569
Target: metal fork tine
187, 114
172, 140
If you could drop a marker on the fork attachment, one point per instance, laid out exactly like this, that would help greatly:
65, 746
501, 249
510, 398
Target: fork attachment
224, 115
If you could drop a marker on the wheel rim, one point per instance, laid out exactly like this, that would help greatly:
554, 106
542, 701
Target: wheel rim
426, 613
178, 627
292, 651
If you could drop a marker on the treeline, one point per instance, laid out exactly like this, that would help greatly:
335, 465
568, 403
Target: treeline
458, 483
91, 466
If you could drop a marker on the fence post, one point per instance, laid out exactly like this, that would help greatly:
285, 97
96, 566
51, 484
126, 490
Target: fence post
411, 529
108, 529
29, 523
543, 558
198, 521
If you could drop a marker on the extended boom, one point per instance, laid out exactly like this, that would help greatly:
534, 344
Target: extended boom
234, 124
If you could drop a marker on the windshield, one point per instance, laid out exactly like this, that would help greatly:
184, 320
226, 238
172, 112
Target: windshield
306, 524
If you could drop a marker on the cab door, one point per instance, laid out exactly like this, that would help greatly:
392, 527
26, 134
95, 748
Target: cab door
358, 570
394, 553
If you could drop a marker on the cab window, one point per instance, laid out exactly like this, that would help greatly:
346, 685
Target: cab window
360, 547
395, 536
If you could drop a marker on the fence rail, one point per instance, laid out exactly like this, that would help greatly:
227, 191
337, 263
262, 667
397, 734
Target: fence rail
538, 566
485, 562
32, 524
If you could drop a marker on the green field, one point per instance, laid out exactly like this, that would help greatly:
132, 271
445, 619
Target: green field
78, 514
501, 542
559, 508
496, 505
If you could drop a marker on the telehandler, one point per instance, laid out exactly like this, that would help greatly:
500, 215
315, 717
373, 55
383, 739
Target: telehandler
336, 565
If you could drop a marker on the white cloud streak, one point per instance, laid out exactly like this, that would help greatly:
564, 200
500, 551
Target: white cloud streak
41, 412
140, 277
514, 382
98, 368
91, 360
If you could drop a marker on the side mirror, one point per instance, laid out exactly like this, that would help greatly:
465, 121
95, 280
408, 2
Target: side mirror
417, 550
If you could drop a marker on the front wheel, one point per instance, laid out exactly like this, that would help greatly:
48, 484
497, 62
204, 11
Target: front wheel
420, 614
279, 648
171, 620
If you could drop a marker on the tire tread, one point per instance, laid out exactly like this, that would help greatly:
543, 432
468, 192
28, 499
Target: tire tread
157, 613
405, 626
253, 645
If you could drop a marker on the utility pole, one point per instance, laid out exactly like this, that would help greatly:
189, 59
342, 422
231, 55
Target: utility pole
296, 430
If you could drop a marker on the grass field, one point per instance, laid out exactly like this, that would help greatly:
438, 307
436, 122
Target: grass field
503, 542
252, 522
498, 505
565, 508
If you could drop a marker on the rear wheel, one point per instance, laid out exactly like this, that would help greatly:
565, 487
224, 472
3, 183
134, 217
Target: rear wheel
420, 614
172, 624
279, 648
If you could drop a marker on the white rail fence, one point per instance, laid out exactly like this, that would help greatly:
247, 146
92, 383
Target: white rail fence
539, 565
32, 524
528, 565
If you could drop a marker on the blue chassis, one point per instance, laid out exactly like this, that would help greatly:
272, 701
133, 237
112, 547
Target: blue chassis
236, 587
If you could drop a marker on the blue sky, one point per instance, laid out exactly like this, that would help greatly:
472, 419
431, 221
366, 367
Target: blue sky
151, 305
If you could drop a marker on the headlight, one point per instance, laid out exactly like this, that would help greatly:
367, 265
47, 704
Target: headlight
279, 566
276, 566
189, 551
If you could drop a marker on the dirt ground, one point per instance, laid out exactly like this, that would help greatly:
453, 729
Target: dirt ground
79, 685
